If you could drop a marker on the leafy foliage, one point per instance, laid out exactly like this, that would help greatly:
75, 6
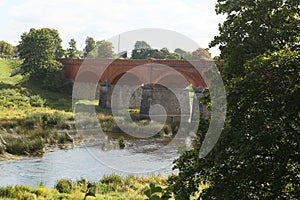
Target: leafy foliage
253, 28
6, 50
90, 45
143, 50
39, 48
257, 155
64, 186
19, 98
72, 51
104, 49
154, 192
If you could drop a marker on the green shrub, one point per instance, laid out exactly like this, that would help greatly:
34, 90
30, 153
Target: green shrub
35, 145
154, 192
37, 101
113, 178
14, 98
64, 186
5, 191
49, 118
27, 196
19, 146
56, 82
41, 191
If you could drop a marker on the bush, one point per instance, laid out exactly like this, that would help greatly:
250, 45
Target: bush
41, 191
57, 82
64, 186
37, 101
27, 196
113, 178
14, 98
49, 118
18, 146
6, 191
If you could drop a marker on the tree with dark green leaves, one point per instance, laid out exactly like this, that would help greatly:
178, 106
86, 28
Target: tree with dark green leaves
253, 28
39, 49
141, 50
90, 45
72, 51
257, 155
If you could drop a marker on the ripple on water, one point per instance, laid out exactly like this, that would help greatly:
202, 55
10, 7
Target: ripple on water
139, 157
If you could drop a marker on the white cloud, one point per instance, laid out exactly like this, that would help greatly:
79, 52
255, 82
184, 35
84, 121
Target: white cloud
104, 19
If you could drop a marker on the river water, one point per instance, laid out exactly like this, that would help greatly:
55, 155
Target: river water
140, 157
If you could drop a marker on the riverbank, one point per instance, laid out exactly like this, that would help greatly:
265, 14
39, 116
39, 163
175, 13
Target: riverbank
30, 115
108, 187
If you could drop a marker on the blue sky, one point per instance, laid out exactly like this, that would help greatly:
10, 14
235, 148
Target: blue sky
104, 19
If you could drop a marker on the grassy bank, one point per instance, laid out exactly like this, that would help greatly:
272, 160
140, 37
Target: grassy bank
30, 114
109, 187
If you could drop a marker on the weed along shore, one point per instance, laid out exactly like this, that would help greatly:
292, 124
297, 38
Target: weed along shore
108, 187
36, 134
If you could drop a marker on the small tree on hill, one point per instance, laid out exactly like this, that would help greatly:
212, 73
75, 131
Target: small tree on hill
39, 48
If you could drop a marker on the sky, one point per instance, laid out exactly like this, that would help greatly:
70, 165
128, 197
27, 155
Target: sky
196, 19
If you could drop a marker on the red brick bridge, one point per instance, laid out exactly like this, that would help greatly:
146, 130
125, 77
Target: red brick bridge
156, 73
110, 70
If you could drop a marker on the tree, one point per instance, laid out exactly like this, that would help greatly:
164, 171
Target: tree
180, 52
173, 56
141, 45
6, 49
202, 53
105, 49
257, 155
72, 51
254, 27
90, 45
199, 53
141, 50
39, 48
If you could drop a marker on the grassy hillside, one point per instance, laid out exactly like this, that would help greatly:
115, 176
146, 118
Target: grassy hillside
20, 96
6, 67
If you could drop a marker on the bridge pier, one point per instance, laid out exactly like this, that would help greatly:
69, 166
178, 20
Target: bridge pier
175, 101
121, 97
105, 95
146, 101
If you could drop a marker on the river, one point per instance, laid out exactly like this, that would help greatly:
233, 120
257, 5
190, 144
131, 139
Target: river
140, 157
